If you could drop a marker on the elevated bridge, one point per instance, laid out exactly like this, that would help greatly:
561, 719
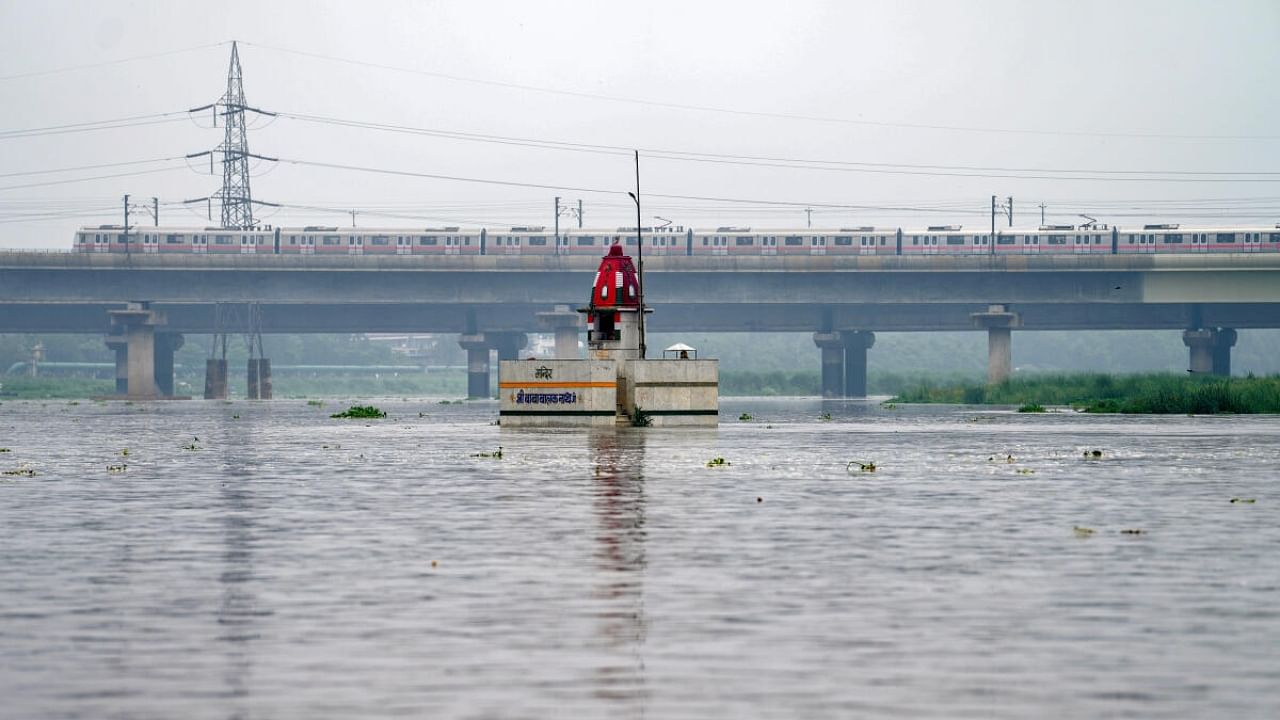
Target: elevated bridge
491, 301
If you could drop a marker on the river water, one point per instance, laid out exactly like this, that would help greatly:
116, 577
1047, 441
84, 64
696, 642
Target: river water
261, 560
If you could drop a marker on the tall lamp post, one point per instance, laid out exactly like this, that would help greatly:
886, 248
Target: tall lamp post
639, 254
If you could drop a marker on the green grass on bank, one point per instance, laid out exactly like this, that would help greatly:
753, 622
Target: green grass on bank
1155, 393
26, 388
446, 383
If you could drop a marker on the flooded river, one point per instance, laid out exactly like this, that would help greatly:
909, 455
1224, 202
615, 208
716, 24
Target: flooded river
262, 560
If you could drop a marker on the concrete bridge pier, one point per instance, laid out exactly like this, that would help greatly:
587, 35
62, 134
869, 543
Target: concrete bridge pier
134, 328
999, 323
477, 365
166, 345
119, 345
856, 345
215, 379
832, 347
258, 379
478, 345
567, 326
1210, 350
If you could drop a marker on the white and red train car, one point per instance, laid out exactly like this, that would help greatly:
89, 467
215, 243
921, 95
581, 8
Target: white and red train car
321, 240
161, 240
676, 240
1175, 239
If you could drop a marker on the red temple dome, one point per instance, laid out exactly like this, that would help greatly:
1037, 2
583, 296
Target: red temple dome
616, 284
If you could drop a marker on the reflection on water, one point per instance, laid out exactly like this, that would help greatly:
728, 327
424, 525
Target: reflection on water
298, 566
620, 562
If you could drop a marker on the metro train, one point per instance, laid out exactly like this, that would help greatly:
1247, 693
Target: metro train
677, 240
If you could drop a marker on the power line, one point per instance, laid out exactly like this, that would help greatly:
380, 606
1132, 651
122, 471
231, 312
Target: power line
89, 167
544, 186
126, 122
71, 68
87, 179
932, 170
755, 113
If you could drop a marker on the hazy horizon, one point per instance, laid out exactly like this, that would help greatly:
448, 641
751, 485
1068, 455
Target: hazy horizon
895, 114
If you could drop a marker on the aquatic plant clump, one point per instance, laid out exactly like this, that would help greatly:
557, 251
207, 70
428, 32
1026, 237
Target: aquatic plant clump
360, 412
640, 418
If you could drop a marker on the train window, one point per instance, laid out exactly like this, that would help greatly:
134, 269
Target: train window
955, 239
172, 239
847, 240
221, 239
582, 241
744, 240
1006, 239
380, 240
1057, 239
1226, 237
537, 240
1275, 237
1172, 239
427, 239
793, 240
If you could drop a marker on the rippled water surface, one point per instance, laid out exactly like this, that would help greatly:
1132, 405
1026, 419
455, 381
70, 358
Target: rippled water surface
296, 566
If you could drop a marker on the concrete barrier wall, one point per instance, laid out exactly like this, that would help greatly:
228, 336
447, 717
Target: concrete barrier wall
676, 392
557, 393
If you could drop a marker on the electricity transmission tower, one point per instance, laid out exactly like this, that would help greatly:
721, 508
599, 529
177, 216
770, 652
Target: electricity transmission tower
235, 197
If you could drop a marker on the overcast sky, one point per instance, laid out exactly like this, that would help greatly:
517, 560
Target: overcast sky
908, 107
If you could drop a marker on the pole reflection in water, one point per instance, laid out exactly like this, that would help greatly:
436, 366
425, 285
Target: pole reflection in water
619, 505
238, 609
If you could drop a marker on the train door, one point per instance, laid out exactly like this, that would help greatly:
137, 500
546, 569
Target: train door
355, 245
866, 245
246, 245
403, 245
769, 245
817, 245
930, 244
1081, 244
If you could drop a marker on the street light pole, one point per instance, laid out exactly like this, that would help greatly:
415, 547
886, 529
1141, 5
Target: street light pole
639, 255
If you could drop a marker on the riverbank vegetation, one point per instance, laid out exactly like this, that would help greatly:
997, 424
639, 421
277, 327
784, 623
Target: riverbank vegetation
1099, 393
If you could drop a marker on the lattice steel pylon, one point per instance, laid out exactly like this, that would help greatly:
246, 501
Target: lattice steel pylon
237, 200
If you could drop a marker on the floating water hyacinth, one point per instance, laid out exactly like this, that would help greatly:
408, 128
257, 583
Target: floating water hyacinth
1083, 531
496, 454
718, 462
360, 412
868, 467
